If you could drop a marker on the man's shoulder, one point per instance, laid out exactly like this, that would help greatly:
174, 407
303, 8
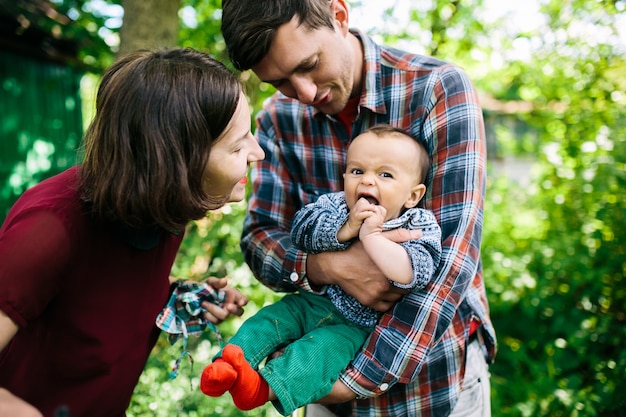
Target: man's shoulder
400, 59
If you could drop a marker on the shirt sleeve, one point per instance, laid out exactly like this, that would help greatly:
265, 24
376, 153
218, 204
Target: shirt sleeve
34, 249
315, 226
400, 343
425, 252
266, 241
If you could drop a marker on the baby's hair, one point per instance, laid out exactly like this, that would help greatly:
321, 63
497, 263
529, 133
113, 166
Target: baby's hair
425, 161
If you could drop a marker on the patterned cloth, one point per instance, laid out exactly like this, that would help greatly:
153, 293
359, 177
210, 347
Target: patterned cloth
183, 315
413, 364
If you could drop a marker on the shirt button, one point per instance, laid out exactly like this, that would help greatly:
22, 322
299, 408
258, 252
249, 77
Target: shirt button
294, 277
384, 387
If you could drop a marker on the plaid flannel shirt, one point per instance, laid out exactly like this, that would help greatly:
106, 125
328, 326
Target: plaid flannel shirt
413, 363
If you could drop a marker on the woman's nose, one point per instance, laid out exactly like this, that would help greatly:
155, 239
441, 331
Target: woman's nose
258, 153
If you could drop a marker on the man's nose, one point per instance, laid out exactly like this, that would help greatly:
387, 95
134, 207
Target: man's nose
305, 89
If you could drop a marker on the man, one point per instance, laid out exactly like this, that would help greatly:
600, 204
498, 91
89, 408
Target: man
428, 354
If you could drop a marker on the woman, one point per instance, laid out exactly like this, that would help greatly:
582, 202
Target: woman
85, 256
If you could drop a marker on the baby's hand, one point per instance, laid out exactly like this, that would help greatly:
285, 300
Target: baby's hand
373, 223
361, 210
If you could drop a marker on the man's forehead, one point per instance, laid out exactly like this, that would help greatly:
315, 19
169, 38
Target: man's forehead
293, 47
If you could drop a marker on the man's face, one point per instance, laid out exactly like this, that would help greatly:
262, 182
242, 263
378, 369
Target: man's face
316, 67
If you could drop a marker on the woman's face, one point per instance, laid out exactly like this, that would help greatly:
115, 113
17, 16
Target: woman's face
231, 154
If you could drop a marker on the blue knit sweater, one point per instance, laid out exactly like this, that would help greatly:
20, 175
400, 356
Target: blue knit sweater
314, 230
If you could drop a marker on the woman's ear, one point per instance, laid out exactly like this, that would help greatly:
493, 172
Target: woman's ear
417, 192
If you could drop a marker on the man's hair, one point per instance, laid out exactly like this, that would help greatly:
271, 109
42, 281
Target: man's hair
249, 26
157, 115
425, 161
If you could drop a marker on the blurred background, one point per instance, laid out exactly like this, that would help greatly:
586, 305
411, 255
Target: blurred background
552, 80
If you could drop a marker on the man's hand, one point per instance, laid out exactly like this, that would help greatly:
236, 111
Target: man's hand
356, 274
12, 406
233, 305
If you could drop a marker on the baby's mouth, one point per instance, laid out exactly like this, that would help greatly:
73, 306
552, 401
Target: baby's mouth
369, 198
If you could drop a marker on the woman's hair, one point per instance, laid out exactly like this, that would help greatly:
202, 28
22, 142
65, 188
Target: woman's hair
249, 26
157, 115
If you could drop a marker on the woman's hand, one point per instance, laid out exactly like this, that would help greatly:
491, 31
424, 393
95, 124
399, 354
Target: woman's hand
233, 304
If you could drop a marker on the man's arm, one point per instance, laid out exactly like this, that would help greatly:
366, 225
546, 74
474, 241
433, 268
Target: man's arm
266, 242
399, 345
355, 272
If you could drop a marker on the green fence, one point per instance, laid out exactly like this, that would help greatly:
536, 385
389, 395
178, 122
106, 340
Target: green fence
41, 123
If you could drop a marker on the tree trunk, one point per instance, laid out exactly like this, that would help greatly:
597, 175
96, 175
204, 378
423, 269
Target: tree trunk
149, 24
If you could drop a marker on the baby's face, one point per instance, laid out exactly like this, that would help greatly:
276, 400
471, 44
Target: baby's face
384, 171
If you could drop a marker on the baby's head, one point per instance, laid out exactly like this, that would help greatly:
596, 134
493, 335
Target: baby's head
386, 166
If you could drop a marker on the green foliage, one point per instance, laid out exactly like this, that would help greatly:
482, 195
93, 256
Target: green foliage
555, 270
555, 274
95, 26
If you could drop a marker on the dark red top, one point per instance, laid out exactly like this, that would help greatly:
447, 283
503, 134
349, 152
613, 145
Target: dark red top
85, 301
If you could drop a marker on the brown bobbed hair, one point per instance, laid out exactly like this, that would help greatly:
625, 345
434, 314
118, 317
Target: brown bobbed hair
157, 115
249, 26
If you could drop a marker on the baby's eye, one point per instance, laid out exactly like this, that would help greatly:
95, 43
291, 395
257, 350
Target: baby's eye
356, 171
386, 175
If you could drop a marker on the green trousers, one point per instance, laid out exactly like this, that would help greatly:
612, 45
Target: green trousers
319, 343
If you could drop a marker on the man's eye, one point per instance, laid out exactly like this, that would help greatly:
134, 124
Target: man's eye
311, 66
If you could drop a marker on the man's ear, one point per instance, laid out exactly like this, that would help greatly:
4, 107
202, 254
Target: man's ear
340, 12
417, 193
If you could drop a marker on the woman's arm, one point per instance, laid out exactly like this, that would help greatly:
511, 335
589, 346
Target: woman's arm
10, 405
8, 329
